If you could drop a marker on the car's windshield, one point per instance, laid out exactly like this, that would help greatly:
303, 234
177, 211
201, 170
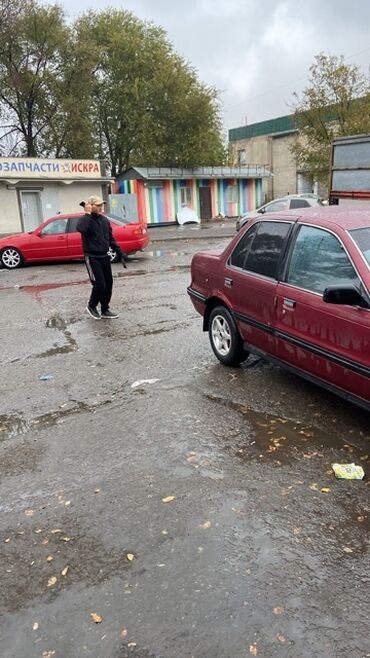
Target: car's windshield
362, 238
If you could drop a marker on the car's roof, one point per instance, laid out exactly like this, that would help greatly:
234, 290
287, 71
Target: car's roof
346, 217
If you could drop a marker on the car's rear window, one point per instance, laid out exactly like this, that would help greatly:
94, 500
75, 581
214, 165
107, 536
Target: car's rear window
118, 220
362, 238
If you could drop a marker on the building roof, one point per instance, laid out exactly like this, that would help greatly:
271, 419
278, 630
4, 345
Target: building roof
283, 124
171, 173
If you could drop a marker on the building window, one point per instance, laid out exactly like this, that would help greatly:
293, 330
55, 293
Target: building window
232, 194
242, 157
186, 196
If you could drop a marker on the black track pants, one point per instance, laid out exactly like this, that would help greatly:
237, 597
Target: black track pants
100, 274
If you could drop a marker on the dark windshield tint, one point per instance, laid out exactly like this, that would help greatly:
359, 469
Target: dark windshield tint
362, 238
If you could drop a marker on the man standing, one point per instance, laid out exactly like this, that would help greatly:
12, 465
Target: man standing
97, 237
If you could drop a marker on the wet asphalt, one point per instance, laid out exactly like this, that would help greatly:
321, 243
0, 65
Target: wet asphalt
156, 504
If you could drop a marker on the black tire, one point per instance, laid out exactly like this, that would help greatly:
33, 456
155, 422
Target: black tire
225, 338
11, 258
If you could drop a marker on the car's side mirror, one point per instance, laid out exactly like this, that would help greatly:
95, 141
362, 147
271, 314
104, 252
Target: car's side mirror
37, 232
348, 295
262, 210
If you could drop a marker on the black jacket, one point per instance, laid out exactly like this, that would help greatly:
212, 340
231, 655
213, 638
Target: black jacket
97, 235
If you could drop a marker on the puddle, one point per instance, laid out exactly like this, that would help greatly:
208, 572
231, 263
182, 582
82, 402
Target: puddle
167, 253
57, 322
37, 289
285, 441
14, 424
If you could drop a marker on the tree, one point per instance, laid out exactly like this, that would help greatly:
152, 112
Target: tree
30, 40
336, 103
150, 107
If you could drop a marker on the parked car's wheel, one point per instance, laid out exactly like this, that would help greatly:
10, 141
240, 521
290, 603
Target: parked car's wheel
11, 258
225, 338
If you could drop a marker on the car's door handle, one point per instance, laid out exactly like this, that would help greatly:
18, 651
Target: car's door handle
288, 303
228, 282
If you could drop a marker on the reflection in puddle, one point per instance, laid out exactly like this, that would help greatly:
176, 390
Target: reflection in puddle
37, 289
57, 322
14, 424
285, 441
167, 253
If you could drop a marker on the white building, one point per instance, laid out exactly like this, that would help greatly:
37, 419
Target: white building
33, 189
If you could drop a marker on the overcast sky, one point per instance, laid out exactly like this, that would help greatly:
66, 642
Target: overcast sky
256, 52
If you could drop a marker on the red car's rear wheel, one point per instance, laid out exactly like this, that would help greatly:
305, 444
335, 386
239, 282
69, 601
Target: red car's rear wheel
11, 258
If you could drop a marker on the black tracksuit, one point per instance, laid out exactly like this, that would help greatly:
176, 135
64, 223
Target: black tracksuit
97, 237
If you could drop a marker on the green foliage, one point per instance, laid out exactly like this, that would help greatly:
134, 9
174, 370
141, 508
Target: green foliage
336, 103
30, 40
110, 85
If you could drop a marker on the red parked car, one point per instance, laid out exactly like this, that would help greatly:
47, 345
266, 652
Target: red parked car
56, 239
296, 290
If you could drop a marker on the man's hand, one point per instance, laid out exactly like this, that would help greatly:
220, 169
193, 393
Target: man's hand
87, 208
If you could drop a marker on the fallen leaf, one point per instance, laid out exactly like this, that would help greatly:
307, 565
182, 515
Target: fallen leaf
205, 525
48, 654
29, 512
35, 626
52, 581
130, 556
124, 632
347, 549
297, 531
97, 491
55, 531
66, 539
253, 649
131, 644
168, 499
313, 486
96, 618
278, 610
325, 490
7, 540
44, 542
67, 503
164, 532
37, 532
360, 519
49, 558
65, 571
281, 638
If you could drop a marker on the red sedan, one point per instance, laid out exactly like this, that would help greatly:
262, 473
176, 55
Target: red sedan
296, 290
56, 239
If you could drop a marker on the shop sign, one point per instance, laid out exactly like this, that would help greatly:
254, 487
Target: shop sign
40, 168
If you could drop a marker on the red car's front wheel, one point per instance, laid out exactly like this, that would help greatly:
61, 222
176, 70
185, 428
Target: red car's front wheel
11, 258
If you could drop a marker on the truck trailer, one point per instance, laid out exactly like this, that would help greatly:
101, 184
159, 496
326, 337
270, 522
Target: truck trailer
349, 179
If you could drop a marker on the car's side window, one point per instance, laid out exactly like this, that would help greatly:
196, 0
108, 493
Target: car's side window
319, 260
277, 206
299, 203
266, 248
58, 226
240, 253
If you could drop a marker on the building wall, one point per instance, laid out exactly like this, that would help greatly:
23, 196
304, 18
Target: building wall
160, 204
55, 198
274, 152
283, 166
